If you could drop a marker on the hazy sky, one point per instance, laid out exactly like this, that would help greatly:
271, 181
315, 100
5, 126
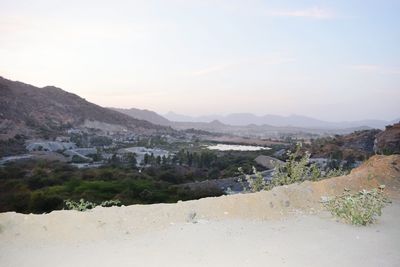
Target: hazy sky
333, 60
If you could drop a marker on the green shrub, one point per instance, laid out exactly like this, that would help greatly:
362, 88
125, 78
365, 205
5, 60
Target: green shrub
41, 203
110, 203
19, 201
84, 205
335, 172
254, 182
81, 205
295, 169
360, 208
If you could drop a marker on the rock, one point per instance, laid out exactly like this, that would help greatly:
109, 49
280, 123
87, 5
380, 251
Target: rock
268, 162
191, 217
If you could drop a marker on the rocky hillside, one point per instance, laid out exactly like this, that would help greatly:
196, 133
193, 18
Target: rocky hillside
357, 145
388, 141
29, 110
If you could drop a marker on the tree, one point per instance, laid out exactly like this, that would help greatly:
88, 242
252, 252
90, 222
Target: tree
174, 159
115, 160
189, 158
146, 159
164, 160
152, 160
131, 159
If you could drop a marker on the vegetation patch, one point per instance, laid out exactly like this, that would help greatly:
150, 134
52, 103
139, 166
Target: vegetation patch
84, 205
296, 169
361, 208
252, 183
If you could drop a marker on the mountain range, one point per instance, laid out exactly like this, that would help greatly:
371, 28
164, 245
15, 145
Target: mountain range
216, 126
33, 111
248, 119
244, 119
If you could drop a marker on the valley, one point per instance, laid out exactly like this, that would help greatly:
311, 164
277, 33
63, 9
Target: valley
51, 157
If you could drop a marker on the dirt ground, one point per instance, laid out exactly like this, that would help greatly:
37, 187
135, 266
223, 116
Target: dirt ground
286, 226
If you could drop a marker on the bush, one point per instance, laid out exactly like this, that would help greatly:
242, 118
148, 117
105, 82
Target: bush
298, 169
335, 172
254, 182
360, 208
110, 203
295, 169
41, 203
83, 205
18, 201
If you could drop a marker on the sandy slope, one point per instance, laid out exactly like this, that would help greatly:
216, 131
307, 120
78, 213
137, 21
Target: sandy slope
282, 227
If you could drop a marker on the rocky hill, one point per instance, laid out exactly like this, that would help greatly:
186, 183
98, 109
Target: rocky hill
357, 145
388, 141
33, 111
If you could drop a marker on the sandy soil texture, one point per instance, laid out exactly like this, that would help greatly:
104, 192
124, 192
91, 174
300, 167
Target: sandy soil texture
286, 226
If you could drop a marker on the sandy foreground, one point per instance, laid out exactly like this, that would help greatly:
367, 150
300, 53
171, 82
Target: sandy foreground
286, 226
301, 240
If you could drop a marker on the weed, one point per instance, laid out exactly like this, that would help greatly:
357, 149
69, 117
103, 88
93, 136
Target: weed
110, 203
335, 173
298, 169
295, 169
360, 208
255, 182
83, 205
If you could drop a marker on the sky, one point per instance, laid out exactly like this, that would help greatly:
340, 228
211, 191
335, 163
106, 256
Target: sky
331, 60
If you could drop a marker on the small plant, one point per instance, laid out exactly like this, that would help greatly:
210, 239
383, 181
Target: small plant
335, 172
81, 205
84, 205
295, 169
255, 182
315, 172
110, 203
360, 208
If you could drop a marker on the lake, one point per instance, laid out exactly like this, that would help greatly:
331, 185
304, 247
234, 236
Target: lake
225, 147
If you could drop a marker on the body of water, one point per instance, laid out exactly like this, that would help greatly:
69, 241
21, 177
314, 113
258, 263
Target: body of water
225, 147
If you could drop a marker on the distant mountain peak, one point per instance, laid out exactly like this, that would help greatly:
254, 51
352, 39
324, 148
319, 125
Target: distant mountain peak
144, 114
216, 123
